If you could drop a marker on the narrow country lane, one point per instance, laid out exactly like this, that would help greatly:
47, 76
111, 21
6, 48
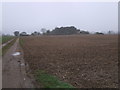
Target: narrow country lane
13, 69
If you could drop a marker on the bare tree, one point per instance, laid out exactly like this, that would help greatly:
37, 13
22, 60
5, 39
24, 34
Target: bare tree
110, 32
43, 30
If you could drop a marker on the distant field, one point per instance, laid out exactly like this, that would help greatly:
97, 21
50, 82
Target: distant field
84, 61
6, 38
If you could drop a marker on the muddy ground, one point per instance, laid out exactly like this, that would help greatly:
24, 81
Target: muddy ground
86, 61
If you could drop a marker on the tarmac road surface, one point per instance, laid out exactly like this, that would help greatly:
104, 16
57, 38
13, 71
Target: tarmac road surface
13, 69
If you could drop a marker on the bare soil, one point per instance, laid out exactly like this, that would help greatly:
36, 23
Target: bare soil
13, 73
85, 61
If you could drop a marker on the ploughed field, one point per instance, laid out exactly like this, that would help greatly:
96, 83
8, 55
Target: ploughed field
84, 61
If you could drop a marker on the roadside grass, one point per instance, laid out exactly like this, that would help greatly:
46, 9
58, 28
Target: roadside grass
6, 38
21, 42
50, 81
5, 48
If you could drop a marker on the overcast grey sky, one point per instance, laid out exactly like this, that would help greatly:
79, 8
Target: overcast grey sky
29, 17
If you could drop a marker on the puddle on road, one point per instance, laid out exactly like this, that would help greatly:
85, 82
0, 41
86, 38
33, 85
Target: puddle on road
22, 64
24, 79
16, 54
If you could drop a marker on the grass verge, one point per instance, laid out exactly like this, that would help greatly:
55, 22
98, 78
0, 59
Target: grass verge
6, 38
21, 42
5, 48
49, 81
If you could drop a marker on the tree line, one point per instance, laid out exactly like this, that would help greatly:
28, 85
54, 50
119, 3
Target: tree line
58, 31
